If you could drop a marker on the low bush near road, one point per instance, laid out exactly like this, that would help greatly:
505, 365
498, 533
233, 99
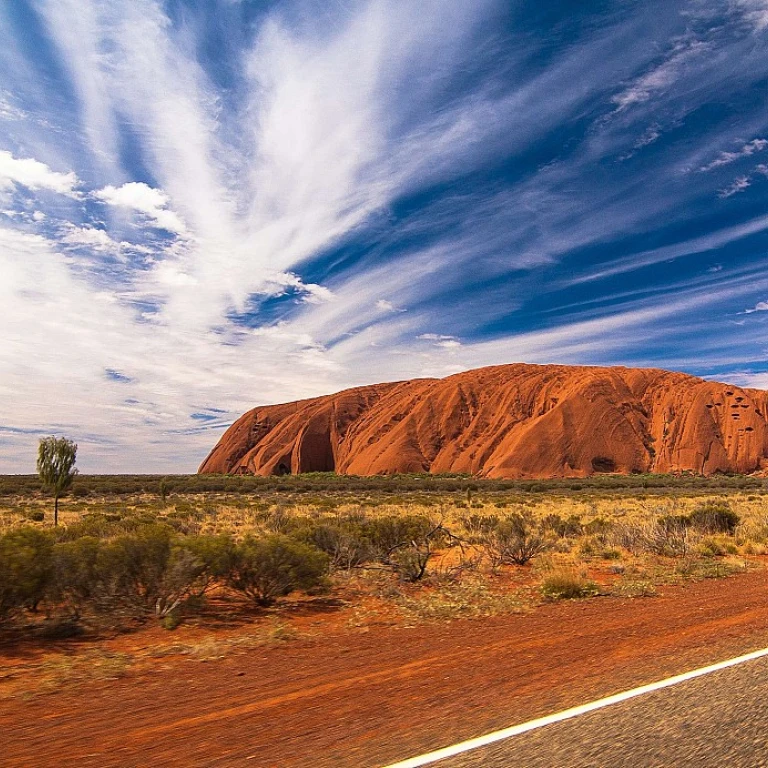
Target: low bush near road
25, 568
567, 585
514, 540
272, 567
149, 571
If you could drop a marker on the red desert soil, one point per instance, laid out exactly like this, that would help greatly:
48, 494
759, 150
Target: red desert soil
508, 421
358, 700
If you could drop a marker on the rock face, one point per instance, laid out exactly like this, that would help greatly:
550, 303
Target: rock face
509, 421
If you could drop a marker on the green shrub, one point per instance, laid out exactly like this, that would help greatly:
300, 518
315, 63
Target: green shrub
475, 524
274, 566
25, 569
710, 547
714, 517
151, 569
389, 533
100, 525
171, 620
213, 558
589, 546
75, 581
146, 571
183, 571
35, 515
410, 563
342, 541
599, 528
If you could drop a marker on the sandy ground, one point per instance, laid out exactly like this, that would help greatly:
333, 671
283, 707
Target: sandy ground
352, 698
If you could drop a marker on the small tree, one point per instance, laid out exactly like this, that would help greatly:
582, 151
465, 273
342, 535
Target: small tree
56, 466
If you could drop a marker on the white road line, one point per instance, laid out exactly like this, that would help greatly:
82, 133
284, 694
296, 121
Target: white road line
558, 717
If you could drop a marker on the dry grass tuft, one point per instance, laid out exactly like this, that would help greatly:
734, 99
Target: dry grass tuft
568, 584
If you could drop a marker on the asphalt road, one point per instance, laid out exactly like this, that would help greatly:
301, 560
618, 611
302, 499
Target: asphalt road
717, 720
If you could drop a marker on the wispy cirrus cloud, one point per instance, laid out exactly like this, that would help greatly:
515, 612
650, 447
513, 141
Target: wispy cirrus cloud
726, 158
661, 76
257, 204
738, 185
754, 11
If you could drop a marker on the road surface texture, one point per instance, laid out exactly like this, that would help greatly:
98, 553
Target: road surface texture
717, 720
368, 699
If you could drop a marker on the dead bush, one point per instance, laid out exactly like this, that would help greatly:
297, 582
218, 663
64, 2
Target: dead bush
563, 527
669, 536
514, 541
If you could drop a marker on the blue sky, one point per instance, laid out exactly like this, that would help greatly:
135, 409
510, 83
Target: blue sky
208, 205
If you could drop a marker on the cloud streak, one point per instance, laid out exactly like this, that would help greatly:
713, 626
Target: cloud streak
726, 158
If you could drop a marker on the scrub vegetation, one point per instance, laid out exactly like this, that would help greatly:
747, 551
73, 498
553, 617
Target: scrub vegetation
169, 549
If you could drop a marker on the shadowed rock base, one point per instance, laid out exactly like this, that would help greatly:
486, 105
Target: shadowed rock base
509, 421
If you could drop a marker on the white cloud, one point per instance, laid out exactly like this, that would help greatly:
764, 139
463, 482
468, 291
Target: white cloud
140, 197
747, 150
703, 244
761, 306
168, 274
387, 306
57, 354
279, 284
34, 175
441, 340
651, 135
316, 294
8, 111
754, 11
89, 237
749, 380
738, 185
661, 77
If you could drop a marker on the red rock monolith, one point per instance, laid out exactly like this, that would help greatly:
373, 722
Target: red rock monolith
508, 421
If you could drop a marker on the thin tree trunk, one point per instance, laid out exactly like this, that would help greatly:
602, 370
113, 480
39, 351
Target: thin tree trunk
55, 511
